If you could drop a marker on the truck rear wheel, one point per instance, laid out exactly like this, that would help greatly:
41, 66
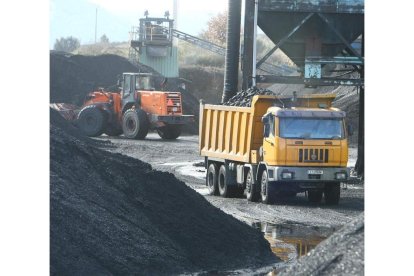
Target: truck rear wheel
315, 196
91, 121
169, 132
212, 176
135, 124
265, 192
332, 193
252, 192
224, 189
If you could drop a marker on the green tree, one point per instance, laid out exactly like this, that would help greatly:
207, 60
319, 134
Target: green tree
68, 44
104, 39
216, 29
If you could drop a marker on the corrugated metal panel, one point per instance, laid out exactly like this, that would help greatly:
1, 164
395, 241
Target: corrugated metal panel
167, 66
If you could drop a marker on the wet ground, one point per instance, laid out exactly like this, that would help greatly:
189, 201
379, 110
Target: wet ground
292, 227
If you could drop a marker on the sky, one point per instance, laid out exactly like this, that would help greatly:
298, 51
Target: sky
115, 18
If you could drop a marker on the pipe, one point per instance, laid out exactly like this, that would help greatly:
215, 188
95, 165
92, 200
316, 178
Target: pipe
232, 50
247, 60
254, 43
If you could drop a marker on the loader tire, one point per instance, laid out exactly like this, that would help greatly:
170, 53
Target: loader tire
135, 124
169, 132
113, 130
212, 175
91, 121
332, 193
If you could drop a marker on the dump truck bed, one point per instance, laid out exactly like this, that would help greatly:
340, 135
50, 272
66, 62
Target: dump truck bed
236, 133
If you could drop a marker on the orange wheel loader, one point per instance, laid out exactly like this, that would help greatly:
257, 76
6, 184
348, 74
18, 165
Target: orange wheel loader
133, 111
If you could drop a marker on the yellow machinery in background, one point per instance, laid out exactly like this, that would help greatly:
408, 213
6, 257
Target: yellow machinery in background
277, 147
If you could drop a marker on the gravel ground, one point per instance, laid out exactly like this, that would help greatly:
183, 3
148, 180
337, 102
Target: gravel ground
340, 254
180, 156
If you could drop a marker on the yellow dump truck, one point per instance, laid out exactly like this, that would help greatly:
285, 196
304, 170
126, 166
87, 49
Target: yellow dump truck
277, 147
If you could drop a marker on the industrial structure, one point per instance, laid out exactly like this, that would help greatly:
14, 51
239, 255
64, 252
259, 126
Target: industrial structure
151, 43
313, 34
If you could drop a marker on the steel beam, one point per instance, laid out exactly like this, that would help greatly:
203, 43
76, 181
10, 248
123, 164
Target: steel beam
247, 60
338, 34
283, 40
309, 82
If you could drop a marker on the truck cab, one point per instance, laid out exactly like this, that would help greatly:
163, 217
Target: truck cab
305, 149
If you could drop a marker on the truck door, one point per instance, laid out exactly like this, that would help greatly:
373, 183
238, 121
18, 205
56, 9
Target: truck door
269, 146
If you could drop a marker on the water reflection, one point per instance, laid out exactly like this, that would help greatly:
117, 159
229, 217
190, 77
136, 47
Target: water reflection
290, 241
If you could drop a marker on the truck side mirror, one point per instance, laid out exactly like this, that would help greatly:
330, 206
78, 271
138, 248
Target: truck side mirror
265, 120
350, 130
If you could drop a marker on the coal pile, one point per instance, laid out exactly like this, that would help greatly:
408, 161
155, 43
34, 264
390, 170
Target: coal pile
244, 98
114, 215
340, 254
72, 77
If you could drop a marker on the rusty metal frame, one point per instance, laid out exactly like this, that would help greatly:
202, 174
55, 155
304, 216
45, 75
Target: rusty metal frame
284, 39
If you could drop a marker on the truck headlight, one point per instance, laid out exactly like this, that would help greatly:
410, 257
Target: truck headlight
340, 176
287, 175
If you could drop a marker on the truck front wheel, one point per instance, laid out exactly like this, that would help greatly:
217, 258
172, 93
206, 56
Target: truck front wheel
315, 196
252, 193
266, 193
332, 193
212, 180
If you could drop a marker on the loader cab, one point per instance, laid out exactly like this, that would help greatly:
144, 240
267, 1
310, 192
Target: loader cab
133, 82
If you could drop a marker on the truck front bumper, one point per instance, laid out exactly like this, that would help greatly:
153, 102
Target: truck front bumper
307, 174
172, 119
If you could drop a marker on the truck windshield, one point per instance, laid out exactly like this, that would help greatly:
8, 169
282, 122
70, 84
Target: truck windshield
304, 128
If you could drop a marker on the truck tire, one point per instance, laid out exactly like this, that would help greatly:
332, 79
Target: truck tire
224, 189
169, 132
252, 191
135, 124
212, 177
91, 121
332, 193
265, 191
315, 196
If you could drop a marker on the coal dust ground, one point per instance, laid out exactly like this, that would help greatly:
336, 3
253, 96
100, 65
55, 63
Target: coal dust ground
293, 222
181, 158
111, 214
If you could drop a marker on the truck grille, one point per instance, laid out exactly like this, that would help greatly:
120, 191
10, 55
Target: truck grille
173, 103
314, 155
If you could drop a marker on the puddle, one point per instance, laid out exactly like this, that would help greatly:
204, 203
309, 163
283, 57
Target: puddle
188, 169
289, 242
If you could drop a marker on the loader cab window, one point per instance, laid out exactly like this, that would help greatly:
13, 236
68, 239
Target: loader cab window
127, 85
144, 83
